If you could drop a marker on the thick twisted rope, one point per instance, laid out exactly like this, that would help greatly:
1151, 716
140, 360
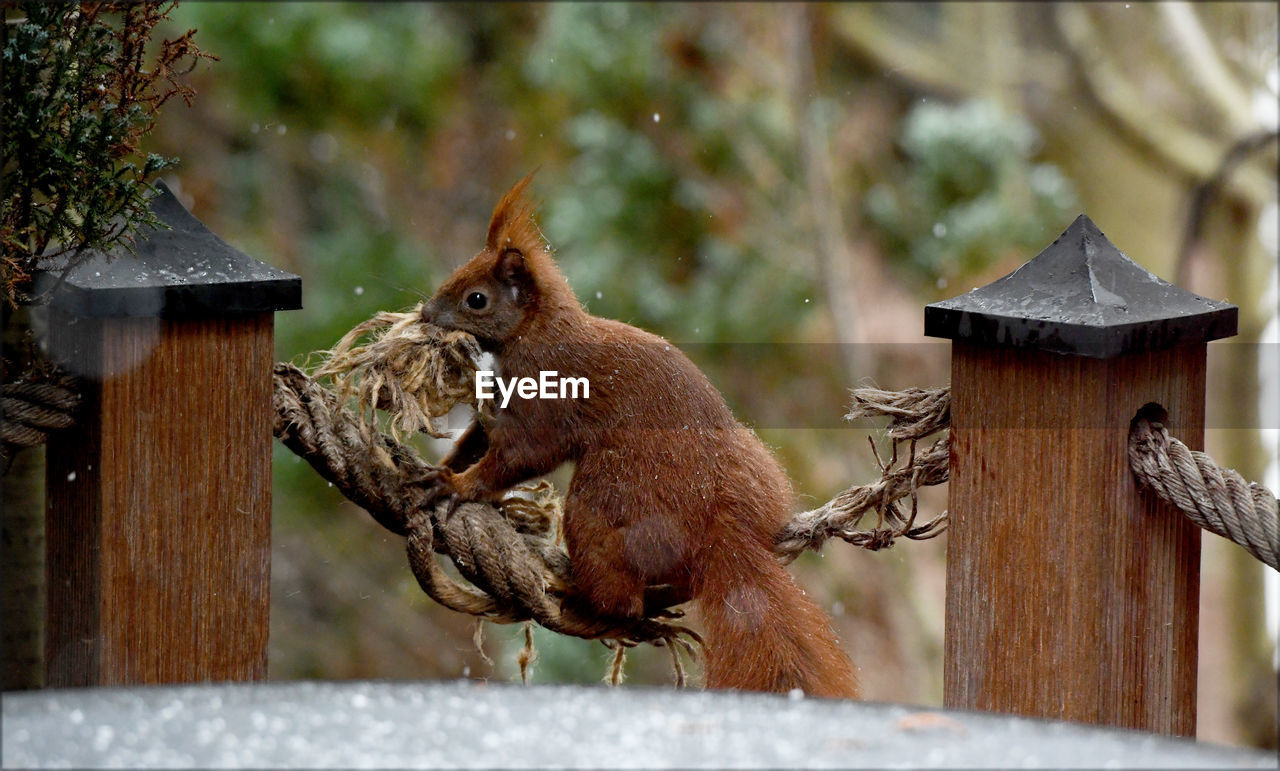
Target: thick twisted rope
31, 411
515, 569
1215, 498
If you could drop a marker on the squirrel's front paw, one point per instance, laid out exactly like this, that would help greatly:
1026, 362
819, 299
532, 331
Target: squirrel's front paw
434, 482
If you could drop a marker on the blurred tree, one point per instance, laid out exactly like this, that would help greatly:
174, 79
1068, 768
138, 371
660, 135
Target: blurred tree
645, 198
969, 197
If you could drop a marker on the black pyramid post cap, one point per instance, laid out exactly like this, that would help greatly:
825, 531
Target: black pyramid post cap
1081, 296
182, 271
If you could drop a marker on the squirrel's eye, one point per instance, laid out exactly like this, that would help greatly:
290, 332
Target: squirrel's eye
477, 301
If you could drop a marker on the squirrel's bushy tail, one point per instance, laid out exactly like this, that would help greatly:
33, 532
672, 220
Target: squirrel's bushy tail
764, 634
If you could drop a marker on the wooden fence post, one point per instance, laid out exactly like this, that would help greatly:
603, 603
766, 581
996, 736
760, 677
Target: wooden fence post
158, 525
1070, 594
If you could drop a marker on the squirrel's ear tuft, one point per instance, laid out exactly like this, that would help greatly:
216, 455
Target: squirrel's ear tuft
512, 224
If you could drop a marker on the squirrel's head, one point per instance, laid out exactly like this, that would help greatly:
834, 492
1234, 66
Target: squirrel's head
499, 292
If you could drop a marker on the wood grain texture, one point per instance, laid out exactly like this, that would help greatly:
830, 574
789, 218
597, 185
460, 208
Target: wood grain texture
1070, 594
159, 516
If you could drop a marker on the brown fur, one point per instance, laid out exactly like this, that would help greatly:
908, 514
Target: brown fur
672, 499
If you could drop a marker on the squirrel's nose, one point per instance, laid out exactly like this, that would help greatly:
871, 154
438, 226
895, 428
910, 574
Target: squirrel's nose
434, 312
430, 310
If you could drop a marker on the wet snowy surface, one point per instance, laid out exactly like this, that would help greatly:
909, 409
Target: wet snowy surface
179, 269
467, 723
1081, 295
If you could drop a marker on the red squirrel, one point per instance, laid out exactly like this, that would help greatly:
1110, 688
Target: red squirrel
671, 499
